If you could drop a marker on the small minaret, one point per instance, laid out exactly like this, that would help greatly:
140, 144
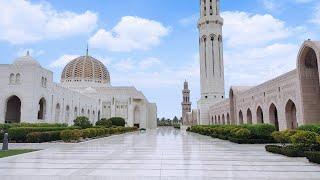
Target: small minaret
186, 104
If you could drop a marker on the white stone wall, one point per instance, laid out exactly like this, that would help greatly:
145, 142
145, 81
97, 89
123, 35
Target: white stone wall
295, 96
63, 105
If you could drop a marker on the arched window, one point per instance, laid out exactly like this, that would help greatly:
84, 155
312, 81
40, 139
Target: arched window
18, 78
228, 119
82, 112
11, 78
42, 82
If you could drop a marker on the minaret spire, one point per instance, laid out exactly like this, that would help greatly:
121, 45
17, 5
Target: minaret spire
87, 52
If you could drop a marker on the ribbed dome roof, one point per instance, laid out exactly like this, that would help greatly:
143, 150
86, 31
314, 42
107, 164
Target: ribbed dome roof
85, 69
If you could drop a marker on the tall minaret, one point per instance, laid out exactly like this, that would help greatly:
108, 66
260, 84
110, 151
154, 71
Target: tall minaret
211, 58
186, 104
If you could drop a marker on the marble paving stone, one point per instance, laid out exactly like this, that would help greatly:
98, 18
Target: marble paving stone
162, 154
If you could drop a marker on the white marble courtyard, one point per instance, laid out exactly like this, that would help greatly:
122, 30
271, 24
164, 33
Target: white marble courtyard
158, 154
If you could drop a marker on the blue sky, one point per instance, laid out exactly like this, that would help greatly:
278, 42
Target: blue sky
153, 44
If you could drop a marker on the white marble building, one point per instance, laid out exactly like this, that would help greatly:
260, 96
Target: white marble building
28, 94
287, 101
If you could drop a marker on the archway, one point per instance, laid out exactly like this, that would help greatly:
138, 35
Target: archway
228, 119
219, 120
82, 112
291, 115
67, 114
99, 115
260, 115
137, 117
42, 109
57, 113
240, 117
215, 120
13, 110
308, 69
223, 120
249, 116
273, 114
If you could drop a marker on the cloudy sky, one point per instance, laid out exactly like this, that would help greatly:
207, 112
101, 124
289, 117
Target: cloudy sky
153, 44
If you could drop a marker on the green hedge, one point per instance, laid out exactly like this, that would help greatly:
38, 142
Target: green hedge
76, 135
104, 122
19, 134
313, 128
290, 151
313, 156
242, 134
39, 137
118, 121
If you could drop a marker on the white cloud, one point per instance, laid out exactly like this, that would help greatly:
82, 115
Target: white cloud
246, 29
271, 5
316, 15
62, 61
25, 22
149, 62
131, 33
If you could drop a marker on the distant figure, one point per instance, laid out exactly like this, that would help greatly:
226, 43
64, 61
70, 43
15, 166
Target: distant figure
5, 142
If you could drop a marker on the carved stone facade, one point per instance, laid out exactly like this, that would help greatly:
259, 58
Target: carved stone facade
287, 101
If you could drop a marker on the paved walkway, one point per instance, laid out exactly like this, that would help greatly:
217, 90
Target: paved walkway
159, 154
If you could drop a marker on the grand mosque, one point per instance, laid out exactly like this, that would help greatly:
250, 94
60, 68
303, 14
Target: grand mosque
287, 101
28, 94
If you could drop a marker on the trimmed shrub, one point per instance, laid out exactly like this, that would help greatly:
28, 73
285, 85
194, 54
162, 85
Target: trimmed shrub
242, 133
19, 134
70, 135
118, 121
290, 151
313, 128
92, 132
313, 156
281, 137
261, 131
100, 131
85, 133
104, 122
82, 122
304, 138
39, 137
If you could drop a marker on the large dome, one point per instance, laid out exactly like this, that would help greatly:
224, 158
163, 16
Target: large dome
85, 69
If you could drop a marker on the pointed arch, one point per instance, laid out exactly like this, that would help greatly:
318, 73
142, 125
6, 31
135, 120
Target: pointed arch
260, 119
291, 115
228, 119
13, 109
273, 116
308, 71
11, 78
223, 119
249, 116
240, 117
42, 108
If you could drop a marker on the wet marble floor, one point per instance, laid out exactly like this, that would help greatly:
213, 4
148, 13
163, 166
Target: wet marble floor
164, 153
